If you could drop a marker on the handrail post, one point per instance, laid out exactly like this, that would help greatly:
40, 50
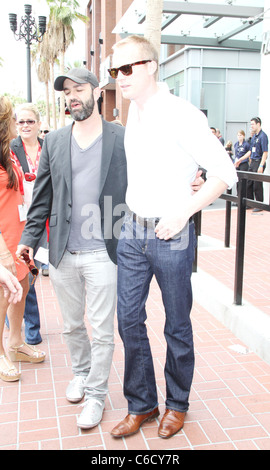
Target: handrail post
242, 201
197, 222
240, 241
228, 221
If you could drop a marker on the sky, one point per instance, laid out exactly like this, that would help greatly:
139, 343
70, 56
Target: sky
13, 73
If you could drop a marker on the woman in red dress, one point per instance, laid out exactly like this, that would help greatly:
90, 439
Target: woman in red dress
12, 221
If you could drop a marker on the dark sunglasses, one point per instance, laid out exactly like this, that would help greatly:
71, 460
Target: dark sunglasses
126, 69
29, 122
44, 132
32, 268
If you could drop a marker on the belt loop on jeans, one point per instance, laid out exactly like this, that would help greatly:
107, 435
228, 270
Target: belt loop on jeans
150, 222
146, 222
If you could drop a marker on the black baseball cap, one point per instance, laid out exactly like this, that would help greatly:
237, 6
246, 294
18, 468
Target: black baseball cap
78, 75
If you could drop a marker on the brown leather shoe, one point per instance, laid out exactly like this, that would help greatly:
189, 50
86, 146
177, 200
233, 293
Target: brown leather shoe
171, 423
131, 424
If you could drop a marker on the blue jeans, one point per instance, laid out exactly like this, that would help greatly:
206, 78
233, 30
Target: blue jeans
31, 316
140, 256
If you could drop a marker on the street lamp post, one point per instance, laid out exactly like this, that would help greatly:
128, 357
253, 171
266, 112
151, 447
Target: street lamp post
29, 32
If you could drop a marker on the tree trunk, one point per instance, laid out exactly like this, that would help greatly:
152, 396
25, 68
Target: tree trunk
153, 21
53, 96
48, 117
62, 96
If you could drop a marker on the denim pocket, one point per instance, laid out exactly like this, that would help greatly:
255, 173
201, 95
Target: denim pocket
180, 241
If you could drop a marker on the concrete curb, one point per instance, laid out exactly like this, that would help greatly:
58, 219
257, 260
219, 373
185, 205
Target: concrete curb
246, 322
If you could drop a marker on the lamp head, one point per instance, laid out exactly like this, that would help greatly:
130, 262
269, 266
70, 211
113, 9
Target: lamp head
28, 9
13, 22
42, 24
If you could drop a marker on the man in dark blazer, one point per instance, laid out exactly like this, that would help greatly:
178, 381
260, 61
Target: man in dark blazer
82, 167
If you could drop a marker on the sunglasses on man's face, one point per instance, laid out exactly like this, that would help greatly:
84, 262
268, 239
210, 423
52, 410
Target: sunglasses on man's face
126, 69
44, 132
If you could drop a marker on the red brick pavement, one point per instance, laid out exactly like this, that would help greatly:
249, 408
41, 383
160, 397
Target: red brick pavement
220, 263
230, 399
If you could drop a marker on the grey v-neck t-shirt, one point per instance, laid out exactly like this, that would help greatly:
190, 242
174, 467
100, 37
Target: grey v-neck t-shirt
85, 230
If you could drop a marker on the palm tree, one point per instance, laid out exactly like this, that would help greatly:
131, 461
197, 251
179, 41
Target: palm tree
153, 21
76, 63
62, 15
48, 55
43, 74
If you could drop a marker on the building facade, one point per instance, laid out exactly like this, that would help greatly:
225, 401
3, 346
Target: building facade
223, 82
103, 16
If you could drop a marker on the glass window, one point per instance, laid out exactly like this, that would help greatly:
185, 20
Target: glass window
175, 83
214, 75
214, 102
213, 88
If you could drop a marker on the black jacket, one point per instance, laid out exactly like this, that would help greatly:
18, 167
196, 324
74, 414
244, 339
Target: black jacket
52, 191
16, 146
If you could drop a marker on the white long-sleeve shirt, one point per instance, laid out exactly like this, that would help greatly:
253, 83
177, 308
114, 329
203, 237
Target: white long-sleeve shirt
165, 143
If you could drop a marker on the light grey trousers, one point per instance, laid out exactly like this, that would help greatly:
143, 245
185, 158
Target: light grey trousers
86, 282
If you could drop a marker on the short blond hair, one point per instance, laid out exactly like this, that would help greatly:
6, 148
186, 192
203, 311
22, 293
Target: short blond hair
29, 107
147, 49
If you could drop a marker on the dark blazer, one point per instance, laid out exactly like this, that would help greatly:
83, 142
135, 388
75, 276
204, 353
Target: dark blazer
52, 191
16, 146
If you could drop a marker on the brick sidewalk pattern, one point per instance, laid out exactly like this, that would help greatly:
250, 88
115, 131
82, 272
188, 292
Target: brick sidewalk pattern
230, 399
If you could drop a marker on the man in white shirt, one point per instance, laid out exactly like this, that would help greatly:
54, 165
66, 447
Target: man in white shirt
158, 233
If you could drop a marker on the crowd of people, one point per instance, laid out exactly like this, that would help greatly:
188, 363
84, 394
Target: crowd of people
12, 221
249, 155
83, 178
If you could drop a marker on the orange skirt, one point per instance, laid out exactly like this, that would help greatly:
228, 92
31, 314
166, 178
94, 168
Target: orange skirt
10, 225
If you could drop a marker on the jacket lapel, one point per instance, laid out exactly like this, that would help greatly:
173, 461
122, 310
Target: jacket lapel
108, 139
66, 154
17, 147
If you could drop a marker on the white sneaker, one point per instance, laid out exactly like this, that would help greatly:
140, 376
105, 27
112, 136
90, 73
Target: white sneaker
75, 389
91, 414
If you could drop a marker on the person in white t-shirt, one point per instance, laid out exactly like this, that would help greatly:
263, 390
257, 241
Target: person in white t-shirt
158, 233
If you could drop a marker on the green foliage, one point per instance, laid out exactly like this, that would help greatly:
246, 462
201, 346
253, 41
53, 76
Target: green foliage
70, 3
64, 11
76, 63
15, 100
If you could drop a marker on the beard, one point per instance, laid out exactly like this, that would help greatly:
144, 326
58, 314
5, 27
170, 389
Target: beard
84, 112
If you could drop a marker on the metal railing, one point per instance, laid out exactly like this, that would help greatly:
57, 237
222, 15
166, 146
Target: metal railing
242, 202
